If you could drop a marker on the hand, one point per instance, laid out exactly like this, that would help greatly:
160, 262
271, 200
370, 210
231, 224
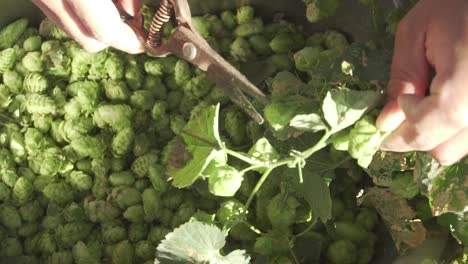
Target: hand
95, 25
430, 115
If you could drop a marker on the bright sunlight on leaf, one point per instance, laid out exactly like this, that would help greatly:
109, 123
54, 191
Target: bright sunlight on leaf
343, 107
197, 242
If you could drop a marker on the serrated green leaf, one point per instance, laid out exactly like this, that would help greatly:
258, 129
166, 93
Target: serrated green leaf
310, 122
186, 176
197, 242
315, 191
281, 110
343, 107
201, 137
203, 128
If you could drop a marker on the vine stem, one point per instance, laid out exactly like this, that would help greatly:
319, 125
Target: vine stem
306, 230
293, 256
323, 142
263, 178
250, 168
257, 187
242, 157
306, 154
253, 228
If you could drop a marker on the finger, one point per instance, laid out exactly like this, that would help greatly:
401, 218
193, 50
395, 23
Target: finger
102, 19
452, 150
61, 14
410, 71
132, 7
391, 116
430, 121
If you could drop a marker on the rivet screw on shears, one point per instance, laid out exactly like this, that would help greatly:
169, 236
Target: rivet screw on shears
189, 45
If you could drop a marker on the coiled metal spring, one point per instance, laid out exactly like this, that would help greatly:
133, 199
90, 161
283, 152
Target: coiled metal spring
162, 16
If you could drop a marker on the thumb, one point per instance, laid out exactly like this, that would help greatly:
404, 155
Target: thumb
410, 71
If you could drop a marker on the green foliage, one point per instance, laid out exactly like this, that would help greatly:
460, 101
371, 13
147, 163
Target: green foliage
282, 211
245, 14
152, 204
7, 59
94, 146
320, 9
342, 252
403, 184
209, 240
241, 50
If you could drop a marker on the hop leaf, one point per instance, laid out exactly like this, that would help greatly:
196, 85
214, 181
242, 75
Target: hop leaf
202, 247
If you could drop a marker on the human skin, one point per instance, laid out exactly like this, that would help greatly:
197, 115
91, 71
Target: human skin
425, 112
94, 24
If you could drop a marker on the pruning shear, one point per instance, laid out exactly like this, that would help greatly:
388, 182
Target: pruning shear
189, 45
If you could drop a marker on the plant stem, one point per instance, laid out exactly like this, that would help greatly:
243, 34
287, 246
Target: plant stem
253, 228
250, 168
320, 145
306, 154
299, 171
241, 156
264, 177
257, 187
306, 230
293, 256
